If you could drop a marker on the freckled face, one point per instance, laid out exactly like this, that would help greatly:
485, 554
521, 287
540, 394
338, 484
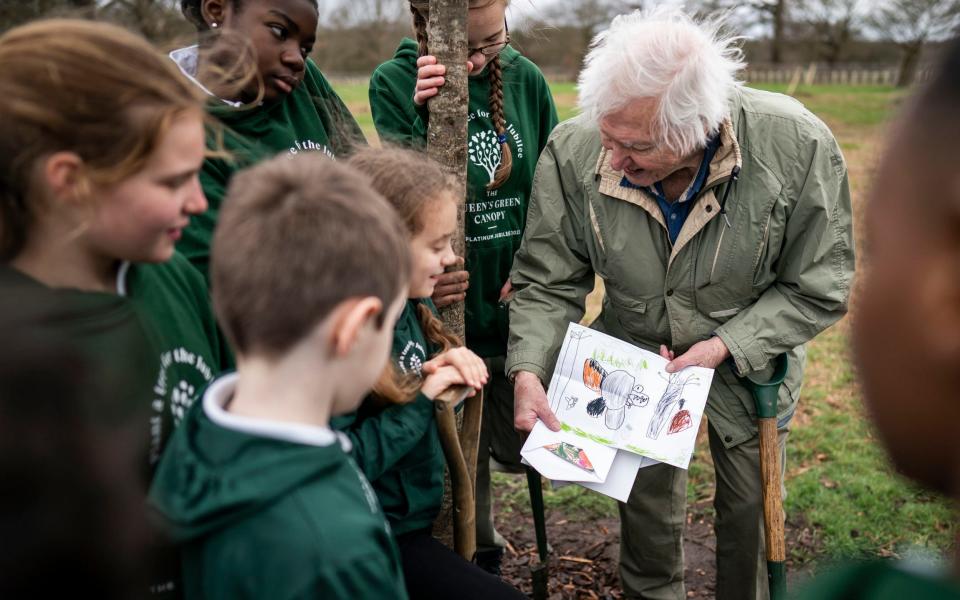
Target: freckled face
140, 218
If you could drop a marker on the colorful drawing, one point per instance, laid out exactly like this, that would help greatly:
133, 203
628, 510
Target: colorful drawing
619, 390
571, 454
566, 363
671, 396
602, 390
681, 421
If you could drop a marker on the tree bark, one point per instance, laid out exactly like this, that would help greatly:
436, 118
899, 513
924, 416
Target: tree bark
447, 144
908, 64
776, 43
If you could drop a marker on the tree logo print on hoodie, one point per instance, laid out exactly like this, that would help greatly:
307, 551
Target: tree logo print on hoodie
183, 376
484, 151
410, 359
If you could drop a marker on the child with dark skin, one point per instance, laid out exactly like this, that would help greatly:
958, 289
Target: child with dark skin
910, 306
265, 93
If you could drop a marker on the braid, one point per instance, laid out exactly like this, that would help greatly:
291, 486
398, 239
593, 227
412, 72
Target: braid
434, 330
499, 124
420, 28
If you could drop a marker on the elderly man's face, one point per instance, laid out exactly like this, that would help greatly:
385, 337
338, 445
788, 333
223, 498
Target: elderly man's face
627, 133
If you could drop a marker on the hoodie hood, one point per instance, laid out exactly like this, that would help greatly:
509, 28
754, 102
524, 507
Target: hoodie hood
220, 468
188, 60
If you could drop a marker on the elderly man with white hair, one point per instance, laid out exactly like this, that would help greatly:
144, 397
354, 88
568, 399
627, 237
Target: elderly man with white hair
719, 219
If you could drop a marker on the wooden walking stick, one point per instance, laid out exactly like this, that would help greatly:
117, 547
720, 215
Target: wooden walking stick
447, 144
765, 397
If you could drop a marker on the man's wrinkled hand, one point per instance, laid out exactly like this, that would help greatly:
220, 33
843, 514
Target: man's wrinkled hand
530, 403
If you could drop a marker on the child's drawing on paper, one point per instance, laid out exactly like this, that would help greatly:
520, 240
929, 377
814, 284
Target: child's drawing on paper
602, 389
572, 454
566, 362
618, 391
671, 396
680, 421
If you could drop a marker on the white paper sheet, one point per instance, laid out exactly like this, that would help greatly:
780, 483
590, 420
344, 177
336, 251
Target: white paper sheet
612, 393
552, 466
622, 474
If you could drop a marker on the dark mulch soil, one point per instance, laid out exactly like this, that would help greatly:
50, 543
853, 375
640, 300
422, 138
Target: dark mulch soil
585, 553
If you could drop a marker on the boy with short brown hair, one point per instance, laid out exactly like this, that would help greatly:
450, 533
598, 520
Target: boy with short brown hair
309, 273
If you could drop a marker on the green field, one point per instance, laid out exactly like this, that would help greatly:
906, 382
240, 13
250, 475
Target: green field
839, 482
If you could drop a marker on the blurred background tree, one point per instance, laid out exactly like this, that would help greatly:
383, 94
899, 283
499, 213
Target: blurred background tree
356, 35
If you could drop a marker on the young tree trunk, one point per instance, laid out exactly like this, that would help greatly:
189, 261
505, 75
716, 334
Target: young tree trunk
776, 43
908, 64
447, 144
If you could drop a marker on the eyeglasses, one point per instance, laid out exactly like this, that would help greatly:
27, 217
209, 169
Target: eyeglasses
491, 49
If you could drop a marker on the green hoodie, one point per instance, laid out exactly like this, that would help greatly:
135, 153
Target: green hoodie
311, 118
156, 343
398, 448
495, 219
265, 509
108, 330
190, 352
156, 338
881, 580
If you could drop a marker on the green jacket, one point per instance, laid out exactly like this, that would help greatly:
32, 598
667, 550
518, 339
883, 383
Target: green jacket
778, 275
494, 219
398, 448
271, 510
311, 118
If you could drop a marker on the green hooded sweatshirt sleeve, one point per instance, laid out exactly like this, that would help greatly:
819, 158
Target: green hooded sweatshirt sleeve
271, 511
173, 300
312, 118
495, 219
398, 448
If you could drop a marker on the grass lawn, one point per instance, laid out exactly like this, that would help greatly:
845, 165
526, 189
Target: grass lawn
839, 482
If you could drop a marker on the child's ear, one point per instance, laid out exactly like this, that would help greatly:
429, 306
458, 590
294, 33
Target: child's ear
350, 320
63, 176
939, 301
214, 11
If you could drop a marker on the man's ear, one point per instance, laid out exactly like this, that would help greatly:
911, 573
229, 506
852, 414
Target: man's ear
63, 176
214, 12
349, 320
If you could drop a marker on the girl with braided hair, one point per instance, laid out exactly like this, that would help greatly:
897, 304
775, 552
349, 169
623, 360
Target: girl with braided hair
511, 115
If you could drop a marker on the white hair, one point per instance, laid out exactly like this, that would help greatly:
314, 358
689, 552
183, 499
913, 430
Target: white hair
690, 66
